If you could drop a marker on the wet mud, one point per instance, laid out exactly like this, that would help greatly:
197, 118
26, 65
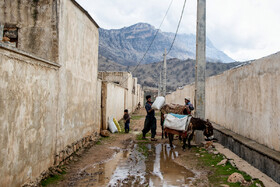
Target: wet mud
142, 165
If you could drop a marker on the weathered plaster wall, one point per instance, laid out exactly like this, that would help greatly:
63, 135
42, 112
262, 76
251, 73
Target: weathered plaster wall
114, 98
28, 113
78, 55
44, 106
115, 105
125, 80
178, 96
97, 104
122, 78
245, 100
37, 25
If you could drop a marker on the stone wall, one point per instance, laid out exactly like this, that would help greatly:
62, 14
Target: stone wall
244, 100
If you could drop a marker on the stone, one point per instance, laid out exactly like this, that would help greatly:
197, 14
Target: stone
208, 144
105, 133
236, 177
232, 163
59, 170
216, 152
223, 162
224, 185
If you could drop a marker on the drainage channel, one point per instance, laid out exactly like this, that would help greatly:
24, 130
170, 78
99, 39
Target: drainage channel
143, 165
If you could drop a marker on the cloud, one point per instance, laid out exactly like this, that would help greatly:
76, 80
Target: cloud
244, 29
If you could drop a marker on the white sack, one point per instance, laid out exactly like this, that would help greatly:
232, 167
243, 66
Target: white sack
159, 102
180, 124
112, 126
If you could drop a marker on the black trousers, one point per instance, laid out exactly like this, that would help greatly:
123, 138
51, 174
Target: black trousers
150, 124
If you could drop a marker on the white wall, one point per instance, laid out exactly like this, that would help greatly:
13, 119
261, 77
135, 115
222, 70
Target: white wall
78, 55
115, 102
245, 100
28, 111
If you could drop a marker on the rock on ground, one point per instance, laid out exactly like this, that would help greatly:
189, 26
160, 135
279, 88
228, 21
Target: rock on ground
105, 133
223, 162
236, 177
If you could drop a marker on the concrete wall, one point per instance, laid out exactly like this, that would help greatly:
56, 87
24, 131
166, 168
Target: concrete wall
178, 97
37, 23
114, 99
78, 56
28, 113
245, 100
47, 107
133, 94
115, 103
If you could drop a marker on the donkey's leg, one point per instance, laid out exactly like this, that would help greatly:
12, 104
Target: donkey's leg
180, 138
170, 136
190, 137
184, 142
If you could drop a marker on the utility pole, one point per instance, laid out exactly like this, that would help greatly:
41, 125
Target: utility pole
164, 74
200, 64
160, 85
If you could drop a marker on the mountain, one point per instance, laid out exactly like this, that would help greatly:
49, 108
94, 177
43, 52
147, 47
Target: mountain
179, 72
127, 45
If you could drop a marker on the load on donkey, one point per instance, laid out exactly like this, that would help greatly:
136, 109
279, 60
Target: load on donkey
175, 121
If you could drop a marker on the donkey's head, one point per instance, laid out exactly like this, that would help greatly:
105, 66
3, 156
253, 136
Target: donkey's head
208, 129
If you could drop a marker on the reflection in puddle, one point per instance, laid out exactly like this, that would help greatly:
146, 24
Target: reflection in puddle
134, 169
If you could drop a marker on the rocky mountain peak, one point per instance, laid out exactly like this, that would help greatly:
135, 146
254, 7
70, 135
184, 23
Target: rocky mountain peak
141, 26
127, 45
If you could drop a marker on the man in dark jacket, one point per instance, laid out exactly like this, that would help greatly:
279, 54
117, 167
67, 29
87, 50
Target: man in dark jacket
150, 121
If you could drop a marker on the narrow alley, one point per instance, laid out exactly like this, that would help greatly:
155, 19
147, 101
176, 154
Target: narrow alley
126, 160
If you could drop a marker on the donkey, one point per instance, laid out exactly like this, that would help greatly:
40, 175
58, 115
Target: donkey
195, 124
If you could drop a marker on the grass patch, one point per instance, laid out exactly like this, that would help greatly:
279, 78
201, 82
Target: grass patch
220, 174
103, 139
136, 117
142, 148
139, 136
53, 179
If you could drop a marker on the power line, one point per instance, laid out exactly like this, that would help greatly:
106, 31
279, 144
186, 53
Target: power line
151, 41
178, 26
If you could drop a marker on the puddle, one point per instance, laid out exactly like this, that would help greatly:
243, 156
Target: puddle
133, 168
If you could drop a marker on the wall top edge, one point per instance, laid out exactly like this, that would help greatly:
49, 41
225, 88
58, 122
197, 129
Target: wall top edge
85, 12
15, 50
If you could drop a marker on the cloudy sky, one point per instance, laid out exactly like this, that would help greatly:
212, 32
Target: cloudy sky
243, 29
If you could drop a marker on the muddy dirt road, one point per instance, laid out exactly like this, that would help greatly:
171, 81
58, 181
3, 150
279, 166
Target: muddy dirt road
126, 160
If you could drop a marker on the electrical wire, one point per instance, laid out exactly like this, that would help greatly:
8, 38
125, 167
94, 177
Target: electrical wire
178, 26
151, 41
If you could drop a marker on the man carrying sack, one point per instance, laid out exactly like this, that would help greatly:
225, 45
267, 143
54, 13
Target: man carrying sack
150, 121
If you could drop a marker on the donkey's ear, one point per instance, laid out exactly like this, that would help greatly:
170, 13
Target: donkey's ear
207, 120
